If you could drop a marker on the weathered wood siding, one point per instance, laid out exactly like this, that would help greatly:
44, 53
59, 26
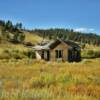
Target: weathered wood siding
61, 46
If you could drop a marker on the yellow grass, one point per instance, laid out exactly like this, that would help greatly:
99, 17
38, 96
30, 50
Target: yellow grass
39, 80
33, 38
28, 79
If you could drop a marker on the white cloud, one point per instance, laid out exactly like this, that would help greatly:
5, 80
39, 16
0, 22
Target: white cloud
86, 30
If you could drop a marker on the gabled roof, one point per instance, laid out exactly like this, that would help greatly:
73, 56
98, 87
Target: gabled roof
54, 43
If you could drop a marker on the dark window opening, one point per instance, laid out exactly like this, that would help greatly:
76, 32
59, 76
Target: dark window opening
45, 55
59, 53
42, 54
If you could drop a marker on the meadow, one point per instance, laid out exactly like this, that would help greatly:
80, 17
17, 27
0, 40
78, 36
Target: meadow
24, 78
29, 79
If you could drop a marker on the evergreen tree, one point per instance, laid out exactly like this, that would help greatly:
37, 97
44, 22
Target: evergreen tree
18, 37
9, 26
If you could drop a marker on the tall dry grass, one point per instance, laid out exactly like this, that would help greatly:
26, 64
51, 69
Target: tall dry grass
28, 79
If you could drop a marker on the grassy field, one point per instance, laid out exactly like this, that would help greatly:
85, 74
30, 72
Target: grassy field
38, 80
32, 38
22, 78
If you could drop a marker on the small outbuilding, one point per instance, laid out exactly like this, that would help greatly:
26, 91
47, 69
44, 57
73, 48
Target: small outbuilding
58, 50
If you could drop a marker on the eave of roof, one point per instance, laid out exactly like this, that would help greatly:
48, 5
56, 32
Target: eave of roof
53, 44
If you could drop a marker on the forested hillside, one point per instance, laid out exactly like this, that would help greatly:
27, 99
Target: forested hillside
15, 33
89, 38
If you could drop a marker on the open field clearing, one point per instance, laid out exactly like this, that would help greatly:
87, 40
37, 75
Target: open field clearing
38, 80
24, 78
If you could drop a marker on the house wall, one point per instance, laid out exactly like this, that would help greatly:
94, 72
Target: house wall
61, 46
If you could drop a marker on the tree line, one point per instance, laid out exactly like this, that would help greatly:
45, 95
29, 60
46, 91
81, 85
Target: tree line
8, 28
69, 34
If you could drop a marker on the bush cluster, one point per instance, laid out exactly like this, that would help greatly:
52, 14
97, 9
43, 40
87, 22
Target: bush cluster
91, 54
16, 54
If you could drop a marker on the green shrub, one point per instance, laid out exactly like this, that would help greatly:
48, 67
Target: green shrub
9, 54
91, 54
5, 54
16, 54
29, 54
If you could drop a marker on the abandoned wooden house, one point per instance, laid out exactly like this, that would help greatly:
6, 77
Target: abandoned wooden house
58, 50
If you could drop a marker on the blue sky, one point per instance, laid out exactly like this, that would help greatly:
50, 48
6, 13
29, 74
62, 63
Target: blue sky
81, 15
